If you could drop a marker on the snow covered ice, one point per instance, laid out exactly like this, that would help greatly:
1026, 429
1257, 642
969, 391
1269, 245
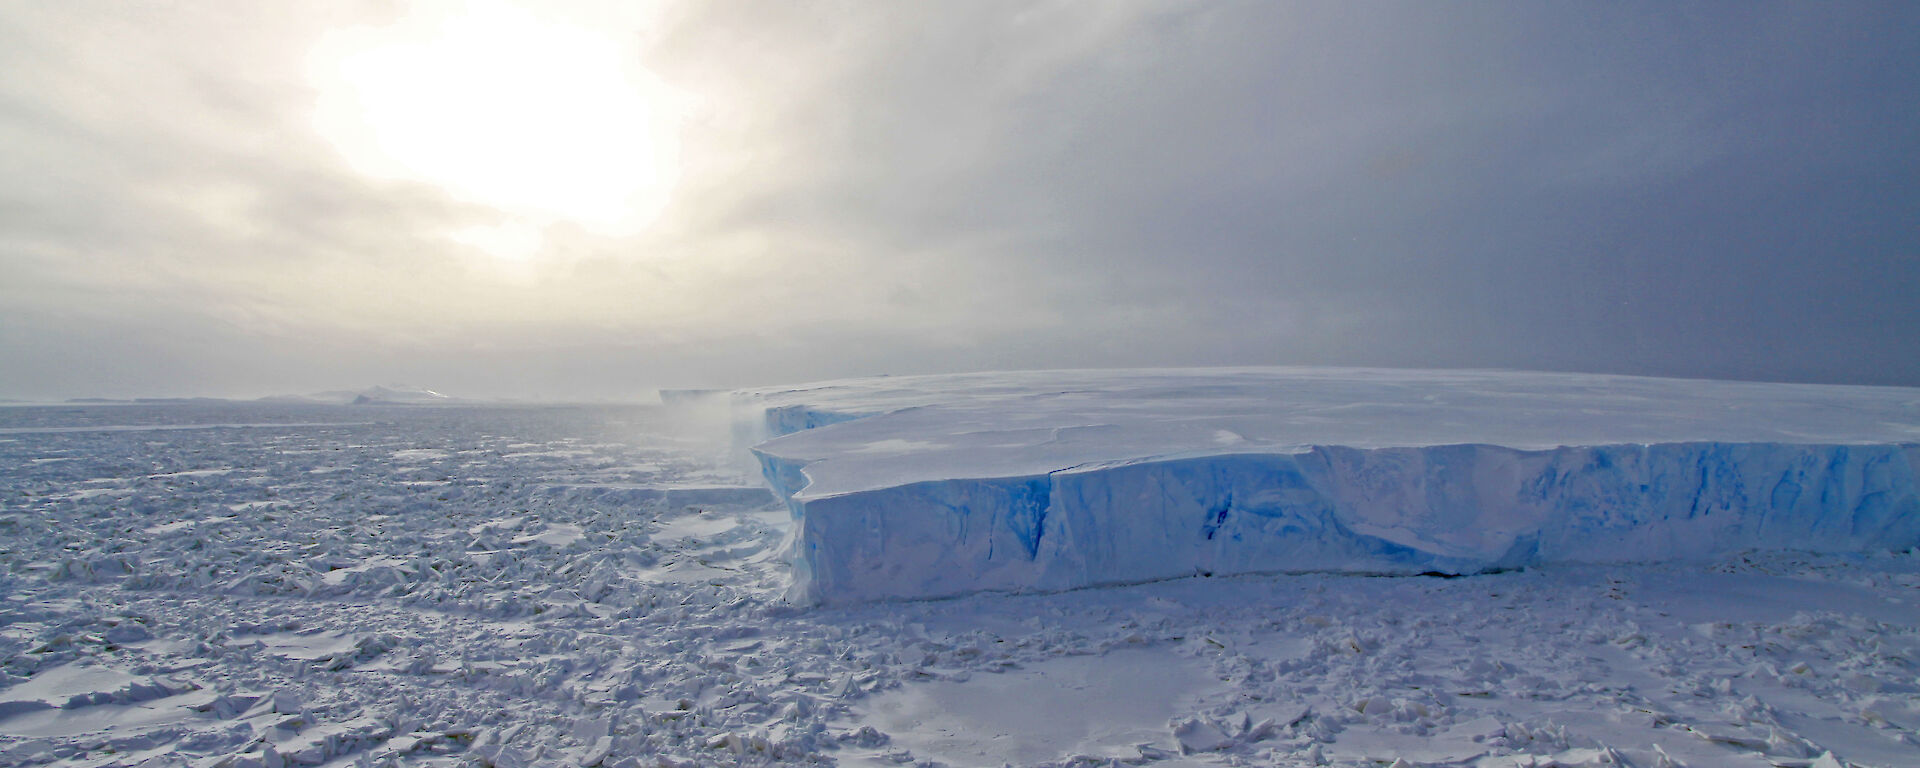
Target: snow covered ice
246, 585
941, 485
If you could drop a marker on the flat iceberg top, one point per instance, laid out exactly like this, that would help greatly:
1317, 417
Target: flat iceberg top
889, 431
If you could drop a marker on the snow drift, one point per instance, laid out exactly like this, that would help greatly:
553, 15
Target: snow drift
933, 486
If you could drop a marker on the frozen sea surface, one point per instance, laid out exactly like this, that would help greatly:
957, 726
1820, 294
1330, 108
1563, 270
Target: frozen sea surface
262, 586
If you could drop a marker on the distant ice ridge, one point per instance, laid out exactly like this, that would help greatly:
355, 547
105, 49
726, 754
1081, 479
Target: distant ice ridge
942, 485
395, 394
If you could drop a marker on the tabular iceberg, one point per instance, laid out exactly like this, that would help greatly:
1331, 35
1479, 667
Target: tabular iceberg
918, 487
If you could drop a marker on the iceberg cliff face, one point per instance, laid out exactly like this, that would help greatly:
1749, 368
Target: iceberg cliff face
1152, 475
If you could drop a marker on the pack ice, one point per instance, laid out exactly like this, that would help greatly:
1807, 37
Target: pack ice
915, 487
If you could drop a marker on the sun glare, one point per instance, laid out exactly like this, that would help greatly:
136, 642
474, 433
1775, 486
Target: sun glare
501, 107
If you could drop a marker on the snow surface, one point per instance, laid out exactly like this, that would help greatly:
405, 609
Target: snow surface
941, 485
278, 585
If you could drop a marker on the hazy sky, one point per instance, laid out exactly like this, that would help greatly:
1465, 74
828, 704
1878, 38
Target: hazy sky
589, 200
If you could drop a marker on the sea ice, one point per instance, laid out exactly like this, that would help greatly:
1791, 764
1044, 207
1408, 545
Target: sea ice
386, 611
940, 485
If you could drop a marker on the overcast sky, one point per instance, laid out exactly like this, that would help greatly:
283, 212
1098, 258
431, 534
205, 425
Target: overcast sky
590, 200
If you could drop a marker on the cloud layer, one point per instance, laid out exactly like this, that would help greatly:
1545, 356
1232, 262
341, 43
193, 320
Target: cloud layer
869, 188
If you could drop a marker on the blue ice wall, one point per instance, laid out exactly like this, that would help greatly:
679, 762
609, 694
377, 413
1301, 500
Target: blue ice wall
1447, 508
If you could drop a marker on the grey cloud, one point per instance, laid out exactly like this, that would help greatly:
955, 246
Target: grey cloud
1610, 187
1713, 190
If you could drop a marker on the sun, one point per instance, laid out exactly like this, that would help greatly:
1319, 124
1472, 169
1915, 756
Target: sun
544, 120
